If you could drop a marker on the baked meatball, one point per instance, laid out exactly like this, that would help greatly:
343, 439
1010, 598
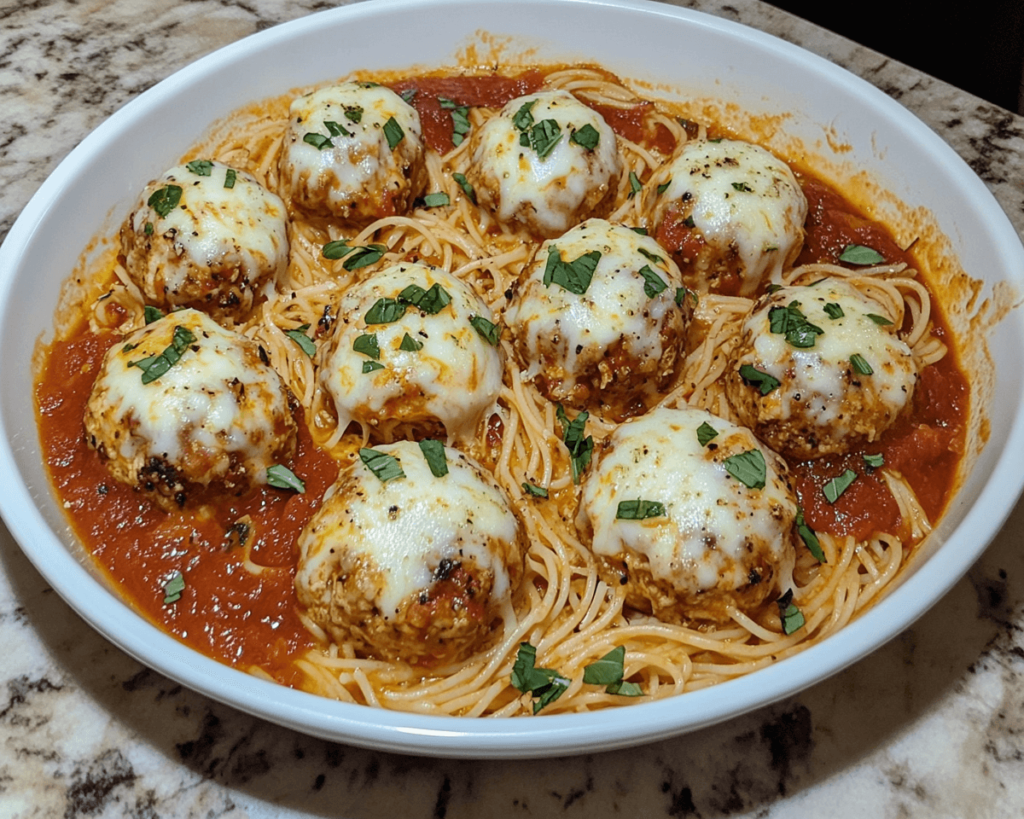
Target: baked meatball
666, 517
207, 236
183, 404
600, 317
732, 214
546, 162
415, 348
405, 565
353, 152
839, 374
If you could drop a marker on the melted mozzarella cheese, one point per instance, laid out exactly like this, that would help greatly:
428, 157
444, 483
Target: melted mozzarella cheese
746, 204
338, 157
217, 414
551, 194
824, 403
211, 249
569, 337
454, 378
400, 531
715, 529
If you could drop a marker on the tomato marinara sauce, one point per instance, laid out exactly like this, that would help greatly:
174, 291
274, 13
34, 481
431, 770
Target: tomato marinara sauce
238, 552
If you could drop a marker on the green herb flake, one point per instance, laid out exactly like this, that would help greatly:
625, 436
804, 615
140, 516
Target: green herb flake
574, 276
581, 448
874, 461
748, 468
756, 378
834, 311
148, 230
371, 366
393, 132
688, 222
230, 175
881, 321
544, 136
353, 113
523, 119
489, 332
385, 311
809, 538
860, 364
861, 255
586, 137
173, 588
533, 489
642, 231
363, 256
635, 186
462, 182
682, 293
367, 345
545, 685
200, 167
165, 199
663, 187
835, 487
793, 324
410, 345
318, 141
460, 125
336, 250
654, 257
431, 301
639, 509
336, 129
706, 433
433, 453
792, 618
385, 467
155, 366
408, 95
298, 335
281, 477
608, 672
653, 283
743, 187
436, 200
151, 314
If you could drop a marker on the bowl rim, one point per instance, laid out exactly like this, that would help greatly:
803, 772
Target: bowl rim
550, 735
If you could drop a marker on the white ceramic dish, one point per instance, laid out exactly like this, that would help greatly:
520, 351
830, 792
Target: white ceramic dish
681, 50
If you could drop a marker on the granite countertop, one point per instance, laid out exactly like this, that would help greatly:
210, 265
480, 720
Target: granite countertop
932, 725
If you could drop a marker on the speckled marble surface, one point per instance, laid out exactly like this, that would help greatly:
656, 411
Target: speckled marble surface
932, 725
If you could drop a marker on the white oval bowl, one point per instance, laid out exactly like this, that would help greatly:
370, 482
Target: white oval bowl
669, 47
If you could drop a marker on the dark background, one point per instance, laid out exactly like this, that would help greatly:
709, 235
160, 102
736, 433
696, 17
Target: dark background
977, 46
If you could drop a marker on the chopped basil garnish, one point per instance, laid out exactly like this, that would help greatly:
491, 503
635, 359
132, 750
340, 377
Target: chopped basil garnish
165, 199
608, 672
581, 448
148, 230
682, 293
385, 311
433, 452
882, 321
489, 332
860, 365
318, 141
755, 378
545, 685
748, 468
773, 288
336, 129
835, 487
640, 230
860, 255
229, 177
436, 200
430, 301
155, 366
298, 335
809, 538
654, 257
393, 132
200, 167
635, 185
834, 311
173, 588
460, 125
793, 324
281, 477
542, 137
688, 222
874, 461
663, 187
705, 433
363, 256
586, 137
336, 250
353, 113
574, 276
367, 345
371, 366
462, 182
639, 509
523, 119
792, 618
742, 187
410, 345
653, 283
385, 467
151, 314
533, 489
408, 95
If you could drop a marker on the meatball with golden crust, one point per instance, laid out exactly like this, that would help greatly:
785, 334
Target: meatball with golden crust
183, 405
207, 236
692, 514
404, 563
599, 318
819, 369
